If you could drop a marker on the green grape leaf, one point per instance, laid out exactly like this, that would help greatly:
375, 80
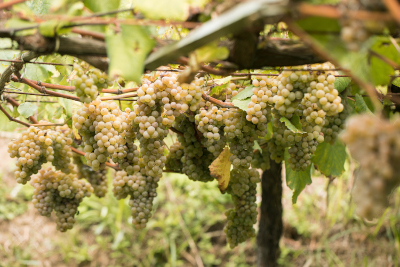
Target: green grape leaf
221, 84
245, 93
295, 120
270, 131
341, 83
242, 104
50, 28
220, 169
39, 72
291, 126
19, 23
321, 24
57, 58
396, 81
127, 51
67, 107
211, 52
102, 5
163, 9
257, 146
330, 159
361, 106
295, 180
27, 109
40, 7
58, 113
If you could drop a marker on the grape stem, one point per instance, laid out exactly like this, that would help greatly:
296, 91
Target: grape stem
217, 102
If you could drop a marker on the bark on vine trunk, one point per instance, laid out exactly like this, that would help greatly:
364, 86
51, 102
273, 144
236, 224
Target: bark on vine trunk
270, 227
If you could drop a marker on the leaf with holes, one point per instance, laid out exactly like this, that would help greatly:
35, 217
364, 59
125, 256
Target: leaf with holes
296, 180
220, 169
27, 109
330, 159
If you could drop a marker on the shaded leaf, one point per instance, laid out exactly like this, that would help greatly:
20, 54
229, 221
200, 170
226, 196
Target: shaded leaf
330, 159
341, 83
296, 181
319, 24
19, 23
270, 131
220, 169
27, 109
102, 5
127, 51
242, 104
211, 52
361, 106
245, 93
295, 120
291, 126
221, 84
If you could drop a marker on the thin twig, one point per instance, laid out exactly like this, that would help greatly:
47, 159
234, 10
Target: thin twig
176, 131
23, 93
217, 102
388, 61
95, 35
11, 118
334, 12
35, 62
10, 3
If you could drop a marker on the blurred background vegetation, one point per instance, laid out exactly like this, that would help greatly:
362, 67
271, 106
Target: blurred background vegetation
187, 227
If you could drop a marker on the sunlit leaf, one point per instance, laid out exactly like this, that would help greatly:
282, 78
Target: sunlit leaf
220, 169
211, 52
27, 109
242, 104
245, 93
127, 51
341, 83
163, 9
221, 84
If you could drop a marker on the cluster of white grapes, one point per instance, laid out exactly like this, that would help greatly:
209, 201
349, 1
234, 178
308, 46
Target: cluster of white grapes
89, 82
59, 192
375, 143
97, 179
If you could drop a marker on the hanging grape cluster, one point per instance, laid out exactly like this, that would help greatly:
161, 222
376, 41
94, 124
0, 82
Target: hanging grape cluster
59, 192
374, 142
89, 82
97, 179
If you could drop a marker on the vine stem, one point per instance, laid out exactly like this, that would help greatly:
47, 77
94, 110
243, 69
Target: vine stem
333, 12
394, 8
77, 151
217, 102
10, 3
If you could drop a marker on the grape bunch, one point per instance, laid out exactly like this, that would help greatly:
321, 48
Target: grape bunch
62, 140
59, 192
196, 158
98, 179
261, 159
32, 149
174, 157
374, 142
242, 187
89, 82
102, 126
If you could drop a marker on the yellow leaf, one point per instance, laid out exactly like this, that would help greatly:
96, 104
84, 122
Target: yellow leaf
221, 169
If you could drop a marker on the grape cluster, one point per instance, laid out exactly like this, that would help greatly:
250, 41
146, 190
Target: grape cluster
102, 126
59, 192
37, 146
174, 157
98, 179
62, 140
375, 144
261, 159
89, 82
308, 99
242, 187
210, 124
196, 158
